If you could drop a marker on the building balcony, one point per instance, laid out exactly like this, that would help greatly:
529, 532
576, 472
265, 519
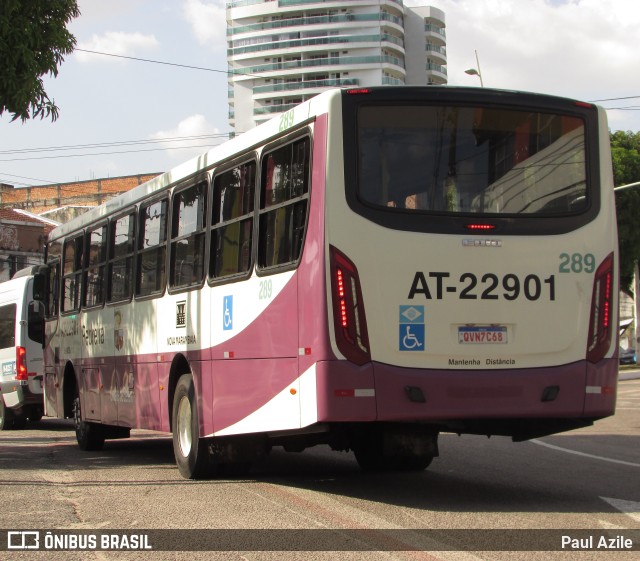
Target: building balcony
342, 64
297, 44
341, 3
436, 74
304, 85
292, 3
305, 22
434, 30
436, 52
271, 109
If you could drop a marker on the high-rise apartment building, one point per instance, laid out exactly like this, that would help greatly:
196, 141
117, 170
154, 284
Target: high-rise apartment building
282, 52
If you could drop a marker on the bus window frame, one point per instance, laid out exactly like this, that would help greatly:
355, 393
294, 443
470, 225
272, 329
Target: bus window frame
139, 252
87, 265
297, 135
246, 158
194, 182
131, 212
53, 262
77, 272
456, 223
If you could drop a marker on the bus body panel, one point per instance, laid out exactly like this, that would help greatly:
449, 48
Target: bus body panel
433, 302
482, 333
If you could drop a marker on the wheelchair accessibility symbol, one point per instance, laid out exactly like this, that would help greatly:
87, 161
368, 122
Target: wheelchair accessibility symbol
411, 321
227, 315
412, 337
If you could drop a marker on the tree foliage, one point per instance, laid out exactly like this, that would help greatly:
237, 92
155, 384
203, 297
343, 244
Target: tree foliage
625, 153
33, 42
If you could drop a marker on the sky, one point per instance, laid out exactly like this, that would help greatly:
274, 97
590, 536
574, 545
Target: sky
122, 117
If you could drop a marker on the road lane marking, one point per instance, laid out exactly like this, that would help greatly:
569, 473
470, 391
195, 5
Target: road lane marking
630, 508
583, 454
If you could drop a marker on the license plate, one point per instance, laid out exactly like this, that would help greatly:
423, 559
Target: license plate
482, 335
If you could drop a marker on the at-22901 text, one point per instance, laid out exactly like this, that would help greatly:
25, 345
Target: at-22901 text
489, 286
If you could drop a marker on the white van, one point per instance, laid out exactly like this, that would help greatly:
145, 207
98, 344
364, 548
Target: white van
21, 342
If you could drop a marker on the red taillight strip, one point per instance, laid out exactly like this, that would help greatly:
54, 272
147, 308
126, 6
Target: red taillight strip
349, 317
600, 324
21, 364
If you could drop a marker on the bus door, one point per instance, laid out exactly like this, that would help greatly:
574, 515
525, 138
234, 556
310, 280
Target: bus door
123, 383
52, 341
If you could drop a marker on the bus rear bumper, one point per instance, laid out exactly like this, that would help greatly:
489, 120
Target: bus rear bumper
522, 403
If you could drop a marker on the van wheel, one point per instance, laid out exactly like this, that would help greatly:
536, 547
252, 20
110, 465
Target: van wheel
90, 436
35, 415
19, 422
191, 451
6, 417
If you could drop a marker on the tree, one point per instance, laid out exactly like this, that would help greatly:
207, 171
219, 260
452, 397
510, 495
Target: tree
625, 153
33, 42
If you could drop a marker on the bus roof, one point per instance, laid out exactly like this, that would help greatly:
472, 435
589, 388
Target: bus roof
257, 136
198, 165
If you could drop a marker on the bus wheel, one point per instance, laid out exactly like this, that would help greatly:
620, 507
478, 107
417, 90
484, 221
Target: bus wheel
191, 451
373, 460
6, 417
90, 436
371, 454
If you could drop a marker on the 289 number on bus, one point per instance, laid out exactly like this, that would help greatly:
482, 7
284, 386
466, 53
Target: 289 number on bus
510, 287
577, 263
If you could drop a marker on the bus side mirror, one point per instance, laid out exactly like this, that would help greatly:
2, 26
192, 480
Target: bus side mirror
39, 286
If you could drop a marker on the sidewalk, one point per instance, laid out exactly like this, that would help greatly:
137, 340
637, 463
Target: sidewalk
629, 372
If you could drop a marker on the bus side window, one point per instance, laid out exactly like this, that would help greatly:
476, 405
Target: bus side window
72, 274
94, 279
150, 270
53, 289
121, 248
284, 198
188, 236
8, 326
232, 221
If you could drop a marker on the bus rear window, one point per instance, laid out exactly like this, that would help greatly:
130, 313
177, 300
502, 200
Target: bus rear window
471, 160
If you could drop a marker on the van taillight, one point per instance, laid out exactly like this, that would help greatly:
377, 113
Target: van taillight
21, 364
348, 309
602, 313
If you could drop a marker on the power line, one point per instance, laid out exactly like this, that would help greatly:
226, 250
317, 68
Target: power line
615, 98
632, 108
233, 72
24, 177
107, 153
116, 143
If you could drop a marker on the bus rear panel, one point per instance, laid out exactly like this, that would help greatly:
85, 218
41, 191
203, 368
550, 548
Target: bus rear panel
472, 261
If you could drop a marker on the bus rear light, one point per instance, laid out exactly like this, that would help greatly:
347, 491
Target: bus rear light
348, 309
21, 364
600, 324
481, 227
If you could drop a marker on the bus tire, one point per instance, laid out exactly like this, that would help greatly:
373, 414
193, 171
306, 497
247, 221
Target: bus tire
90, 436
370, 455
191, 451
373, 460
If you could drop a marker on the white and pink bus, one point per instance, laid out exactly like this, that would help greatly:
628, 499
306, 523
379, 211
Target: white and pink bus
367, 270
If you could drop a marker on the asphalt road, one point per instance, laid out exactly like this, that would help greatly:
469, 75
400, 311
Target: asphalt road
585, 481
